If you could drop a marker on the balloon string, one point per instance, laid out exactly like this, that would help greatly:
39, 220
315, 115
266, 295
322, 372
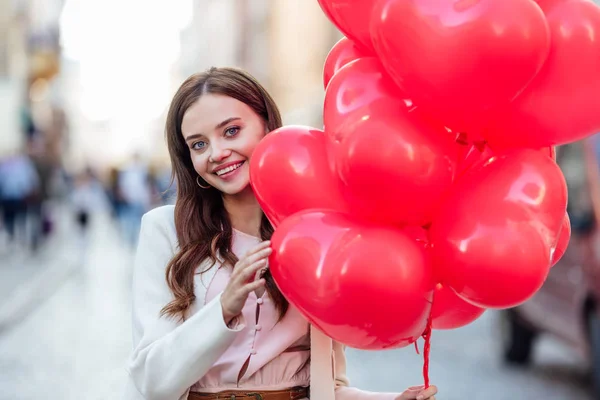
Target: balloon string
427, 347
426, 350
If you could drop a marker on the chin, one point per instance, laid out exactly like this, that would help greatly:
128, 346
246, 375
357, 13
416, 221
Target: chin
236, 189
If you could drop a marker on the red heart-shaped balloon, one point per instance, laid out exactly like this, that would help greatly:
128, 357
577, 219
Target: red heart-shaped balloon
343, 52
289, 172
548, 4
384, 142
461, 59
351, 94
492, 239
563, 241
450, 311
561, 103
367, 286
473, 155
352, 18
351, 97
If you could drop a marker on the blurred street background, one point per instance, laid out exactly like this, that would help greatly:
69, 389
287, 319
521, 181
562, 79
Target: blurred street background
84, 86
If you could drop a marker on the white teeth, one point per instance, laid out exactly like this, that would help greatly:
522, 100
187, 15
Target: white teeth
228, 169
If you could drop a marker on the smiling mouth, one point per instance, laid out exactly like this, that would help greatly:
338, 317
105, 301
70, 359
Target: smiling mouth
229, 169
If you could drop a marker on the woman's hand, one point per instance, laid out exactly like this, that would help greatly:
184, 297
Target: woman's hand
418, 393
243, 281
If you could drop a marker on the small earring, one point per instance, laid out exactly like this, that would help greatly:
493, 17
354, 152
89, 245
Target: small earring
198, 183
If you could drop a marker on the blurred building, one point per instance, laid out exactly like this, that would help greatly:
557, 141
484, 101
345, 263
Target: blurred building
29, 67
12, 76
100, 95
282, 43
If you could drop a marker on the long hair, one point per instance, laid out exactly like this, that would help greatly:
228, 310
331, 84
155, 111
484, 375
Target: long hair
204, 230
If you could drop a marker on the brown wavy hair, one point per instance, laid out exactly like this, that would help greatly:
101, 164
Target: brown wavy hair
203, 226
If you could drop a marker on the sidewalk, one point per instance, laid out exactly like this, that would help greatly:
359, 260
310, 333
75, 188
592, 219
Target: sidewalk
27, 279
71, 335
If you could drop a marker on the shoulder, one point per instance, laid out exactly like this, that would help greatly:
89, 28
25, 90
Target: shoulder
160, 222
164, 215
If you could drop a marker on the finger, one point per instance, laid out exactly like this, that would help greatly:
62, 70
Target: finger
252, 286
431, 390
262, 245
249, 256
249, 273
407, 395
428, 393
261, 255
420, 387
261, 271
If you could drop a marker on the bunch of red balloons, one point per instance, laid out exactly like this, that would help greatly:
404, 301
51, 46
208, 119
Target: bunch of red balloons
432, 192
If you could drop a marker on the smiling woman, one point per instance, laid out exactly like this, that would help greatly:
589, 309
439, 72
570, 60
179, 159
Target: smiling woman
208, 320
215, 121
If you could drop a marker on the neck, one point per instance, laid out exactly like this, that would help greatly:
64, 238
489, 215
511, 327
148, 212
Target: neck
244, 212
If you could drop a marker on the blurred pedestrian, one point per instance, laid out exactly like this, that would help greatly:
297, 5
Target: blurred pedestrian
134, 190
19, 183
165, 188
87, 198
112, 190
38, 210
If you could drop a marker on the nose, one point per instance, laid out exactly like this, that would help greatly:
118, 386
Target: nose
218, 152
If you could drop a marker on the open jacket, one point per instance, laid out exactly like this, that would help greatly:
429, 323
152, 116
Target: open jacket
169, 357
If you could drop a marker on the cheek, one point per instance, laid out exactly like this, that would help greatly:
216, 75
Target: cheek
250, 150
247, 146
199, 162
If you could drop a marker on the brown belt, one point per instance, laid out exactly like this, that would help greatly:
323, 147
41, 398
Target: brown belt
288, 394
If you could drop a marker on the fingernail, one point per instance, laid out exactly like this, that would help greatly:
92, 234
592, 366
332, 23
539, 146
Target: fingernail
420, 397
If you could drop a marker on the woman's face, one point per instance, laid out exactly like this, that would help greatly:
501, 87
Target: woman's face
221, 134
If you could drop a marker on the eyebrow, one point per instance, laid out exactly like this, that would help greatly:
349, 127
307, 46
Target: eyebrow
219, 126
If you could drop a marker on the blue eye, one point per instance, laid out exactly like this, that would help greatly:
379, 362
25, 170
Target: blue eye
199, 145
229, 132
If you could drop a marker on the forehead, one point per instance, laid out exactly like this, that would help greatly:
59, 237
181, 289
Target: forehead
210, 110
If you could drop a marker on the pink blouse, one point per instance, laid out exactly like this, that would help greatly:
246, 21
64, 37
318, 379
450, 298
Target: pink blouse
266, 354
